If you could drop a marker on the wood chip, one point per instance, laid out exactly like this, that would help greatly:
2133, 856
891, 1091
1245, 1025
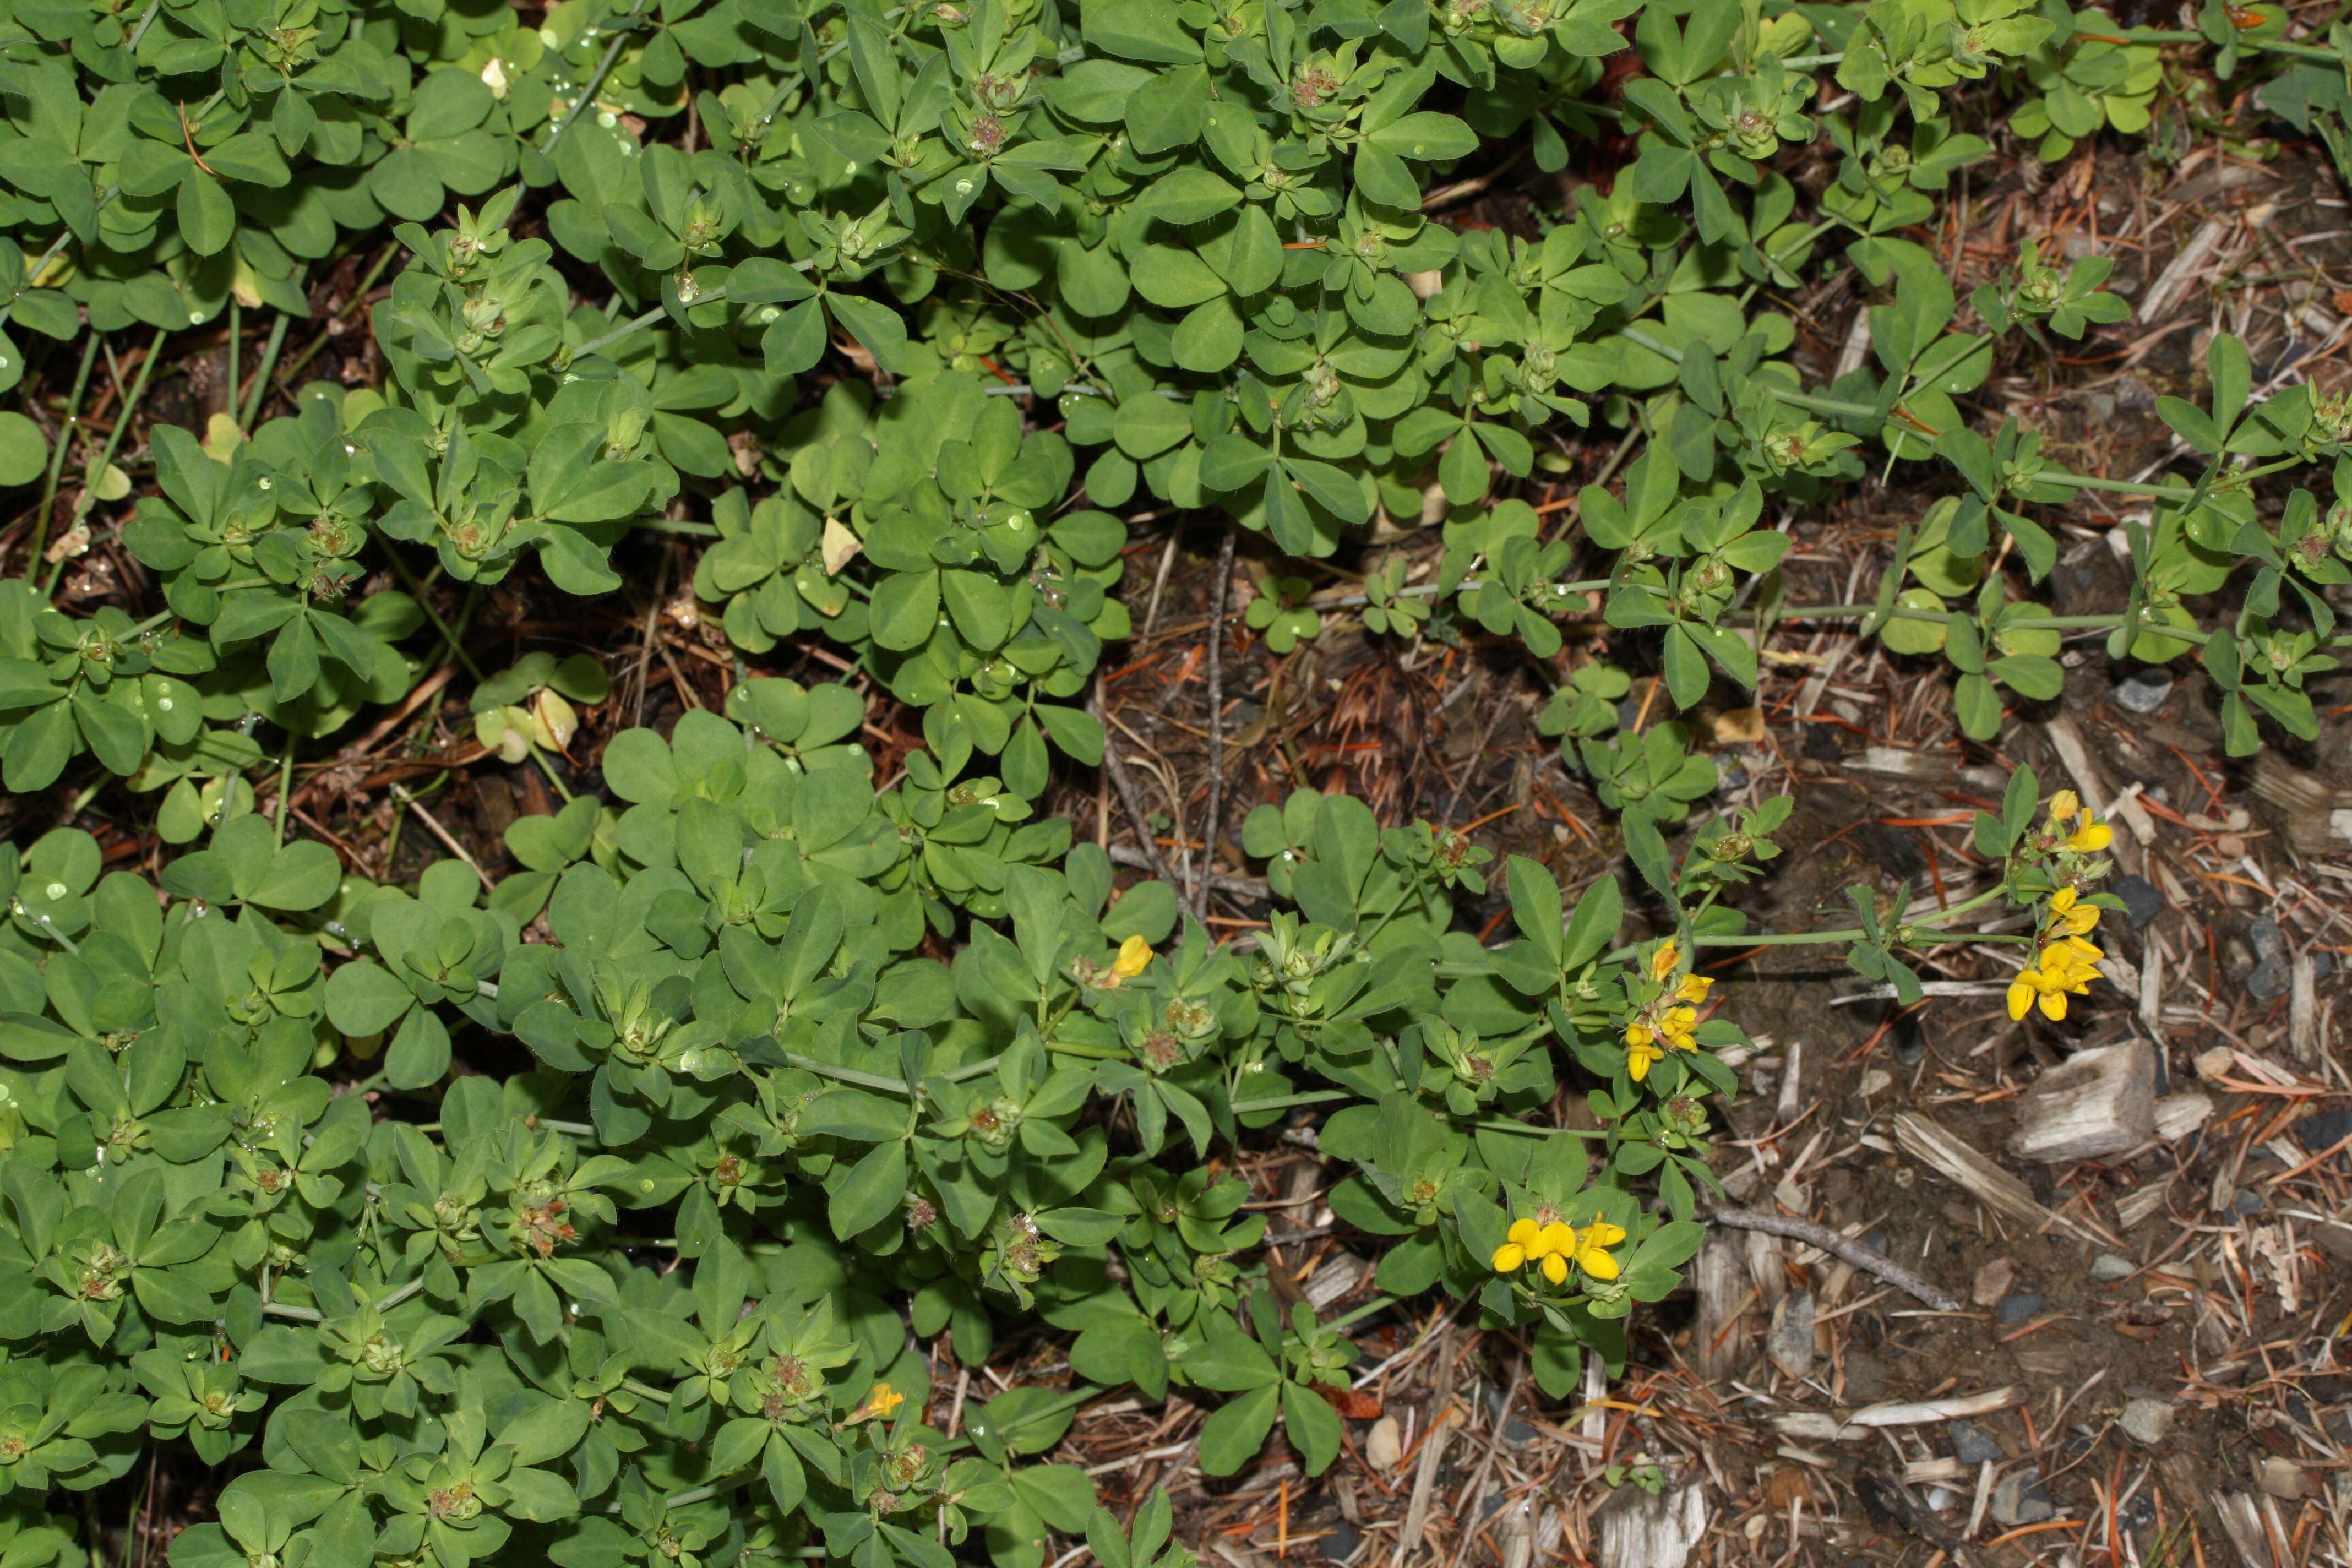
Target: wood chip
1638, 1530
2097, 1101
1953, 1158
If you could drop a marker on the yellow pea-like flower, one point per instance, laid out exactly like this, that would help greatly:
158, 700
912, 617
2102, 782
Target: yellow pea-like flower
1555, 1269
1134, 958
1510, 1257
1555, 1240
2090, 837
1662, 963
1591, 1248
2064, 805
2070, 915
1641, 1054
1694, 988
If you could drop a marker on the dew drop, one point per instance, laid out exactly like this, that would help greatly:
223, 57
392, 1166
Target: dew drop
57, 890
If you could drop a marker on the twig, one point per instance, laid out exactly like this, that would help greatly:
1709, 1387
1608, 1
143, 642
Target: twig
653, 628
433, 825
1837, 1246
1124, 781
1220, 592
1254, 889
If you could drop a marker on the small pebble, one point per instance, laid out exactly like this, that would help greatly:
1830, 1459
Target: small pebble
2268, 941
2017, 1308
2019, 1497
2283, 1478
2325, 1131
2270, 980
1339, 1543
1791, 1343
2142, 902
2146, 1421
2143, 691
1992, 1282
1384, 1444
1972, 1445
2107, 1269
2248, 1205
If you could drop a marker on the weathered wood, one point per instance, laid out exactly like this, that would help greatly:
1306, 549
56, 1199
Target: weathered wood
2096, 1102
1720, 1276
1638, 1530
1951, 1156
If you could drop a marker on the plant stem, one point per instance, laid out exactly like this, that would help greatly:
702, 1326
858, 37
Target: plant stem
285, 789
66, 433
604, 68
424, 602
640, 321
259, 390
2121, 487
106, 457
1312, 1097
2271, 45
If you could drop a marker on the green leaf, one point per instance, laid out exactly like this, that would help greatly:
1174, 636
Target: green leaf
1132, 32
363, 998
871, 1192
1234, 1434
23, 453
1188, 194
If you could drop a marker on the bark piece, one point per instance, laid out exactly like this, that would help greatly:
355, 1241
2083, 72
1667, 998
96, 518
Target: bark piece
2098, 1101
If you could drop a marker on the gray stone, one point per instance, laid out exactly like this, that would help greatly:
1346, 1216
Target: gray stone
2018, 1497
2270, 980
2019, 1308
2143, 691
2268, 942
1340, 1543
2325, 1131
1790, 1342
2107, 1269
2146, 1421
2248, 1205
2142, 902
1972, 1445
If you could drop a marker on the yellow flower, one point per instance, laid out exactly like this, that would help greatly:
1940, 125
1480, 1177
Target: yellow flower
2071, 916
1546, 1245
1134, 958
1662, 963
1694, 988
880, 1401
2064, 805
1640, 1054
1512, 1256
2089, 838
2063, 970
1677, 1027
1591, 1248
